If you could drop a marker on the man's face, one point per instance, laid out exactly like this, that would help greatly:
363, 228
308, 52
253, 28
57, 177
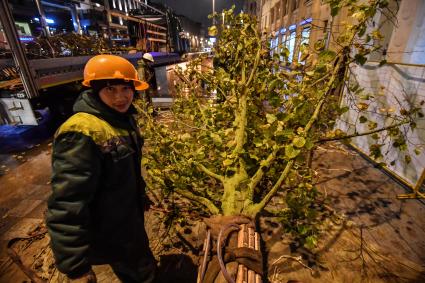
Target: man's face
117, 97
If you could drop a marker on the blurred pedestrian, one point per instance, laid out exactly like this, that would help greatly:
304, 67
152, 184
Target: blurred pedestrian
147, 74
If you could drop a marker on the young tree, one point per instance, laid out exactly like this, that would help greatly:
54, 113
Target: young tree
232, 152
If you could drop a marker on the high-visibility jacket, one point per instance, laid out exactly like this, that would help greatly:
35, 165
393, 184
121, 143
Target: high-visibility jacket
95, 212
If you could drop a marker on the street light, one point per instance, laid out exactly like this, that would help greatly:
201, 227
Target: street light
213, 4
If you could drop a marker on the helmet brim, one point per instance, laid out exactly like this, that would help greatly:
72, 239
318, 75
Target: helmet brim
138, 85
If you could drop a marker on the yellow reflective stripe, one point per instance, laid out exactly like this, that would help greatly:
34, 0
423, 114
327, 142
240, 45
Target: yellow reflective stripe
89, 125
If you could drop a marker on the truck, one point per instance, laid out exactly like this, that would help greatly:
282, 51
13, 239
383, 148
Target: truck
44, 52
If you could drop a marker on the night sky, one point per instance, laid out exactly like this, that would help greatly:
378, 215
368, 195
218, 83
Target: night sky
198, 10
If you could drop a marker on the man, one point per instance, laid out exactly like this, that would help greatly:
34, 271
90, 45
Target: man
95, 212
146, 74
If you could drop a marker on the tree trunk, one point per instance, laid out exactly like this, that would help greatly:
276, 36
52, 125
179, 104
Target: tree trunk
231, 251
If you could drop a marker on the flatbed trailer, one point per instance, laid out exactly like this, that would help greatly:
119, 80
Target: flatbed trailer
58, 71
54, 72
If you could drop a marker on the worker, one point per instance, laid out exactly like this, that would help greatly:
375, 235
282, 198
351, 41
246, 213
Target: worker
95, 212
147, 74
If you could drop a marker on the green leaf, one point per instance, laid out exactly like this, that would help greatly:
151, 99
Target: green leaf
362, 30
298, 142
334, 10
319, 45
291, 152
360, 59
375, 136
375, 150
309, 144
227, 162
344, 109
372, 125
311, 242
212, 31
274, 84
407, 158
258, 142
216, 138
327, 55
362, 119
270, 118
185, 137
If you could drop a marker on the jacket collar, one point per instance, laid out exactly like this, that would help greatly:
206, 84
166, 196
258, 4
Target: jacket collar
90, 103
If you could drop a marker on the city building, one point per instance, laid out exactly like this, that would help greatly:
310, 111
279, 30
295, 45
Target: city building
192, 33
122, 23
250, 7
399, 82
291, 22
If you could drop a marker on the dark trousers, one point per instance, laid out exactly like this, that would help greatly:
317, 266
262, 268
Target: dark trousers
142, 271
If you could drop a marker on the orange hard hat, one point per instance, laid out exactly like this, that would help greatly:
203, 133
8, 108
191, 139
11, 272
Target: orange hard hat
110, 67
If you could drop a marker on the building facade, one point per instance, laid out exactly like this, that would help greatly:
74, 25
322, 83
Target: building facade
296, 22
399, 83
250, 7
293, 22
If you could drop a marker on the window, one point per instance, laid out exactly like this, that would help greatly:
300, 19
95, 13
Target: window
283, 43
290, 44
305, 38
325, 26
252, 7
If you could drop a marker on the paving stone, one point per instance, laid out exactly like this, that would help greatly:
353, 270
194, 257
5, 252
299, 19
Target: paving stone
10, 203
24, 207
22, 228
104, 274
6, 223
3, 211
40, 192
38, 212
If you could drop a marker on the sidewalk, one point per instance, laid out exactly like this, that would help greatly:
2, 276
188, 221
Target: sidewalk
23, 194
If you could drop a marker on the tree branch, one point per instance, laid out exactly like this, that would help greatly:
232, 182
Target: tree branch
362, 134
240, 131
322, 99
260, 173
254, 68
209, 172
201, 200
254, 209
188, 82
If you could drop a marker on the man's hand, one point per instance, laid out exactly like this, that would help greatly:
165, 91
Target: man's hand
89, 277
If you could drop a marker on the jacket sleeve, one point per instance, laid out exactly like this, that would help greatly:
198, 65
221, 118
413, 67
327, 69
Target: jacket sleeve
76, 170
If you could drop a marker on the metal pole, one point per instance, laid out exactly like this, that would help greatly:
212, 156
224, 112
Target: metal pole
213, 6
107, 12
18, 52
328, 38
416, 189
42, 18
153, 8
76, 20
